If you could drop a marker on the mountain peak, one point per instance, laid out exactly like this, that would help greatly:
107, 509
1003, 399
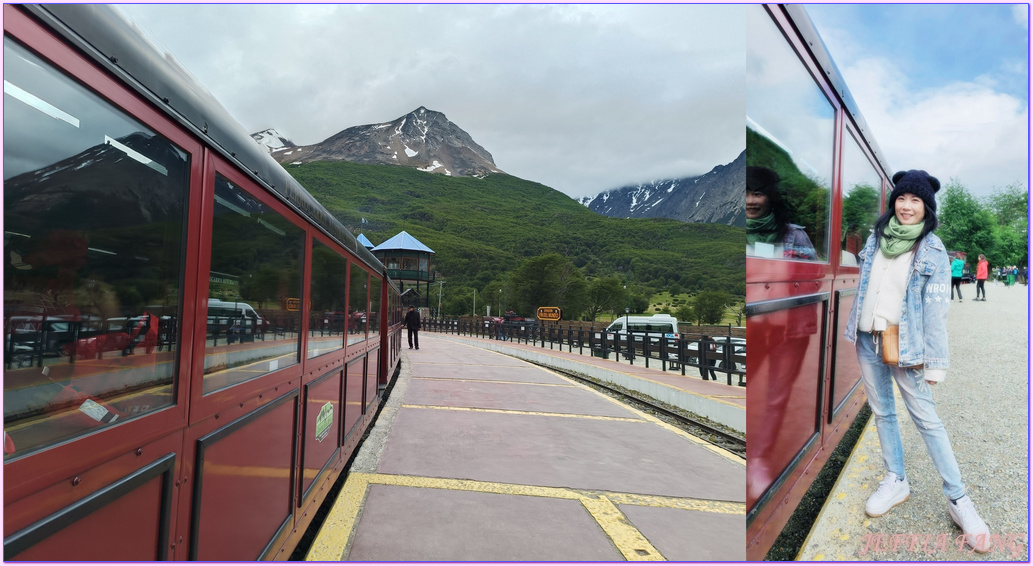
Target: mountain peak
424, 139
716, 197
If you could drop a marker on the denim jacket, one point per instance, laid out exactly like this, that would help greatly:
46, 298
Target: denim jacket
923, 322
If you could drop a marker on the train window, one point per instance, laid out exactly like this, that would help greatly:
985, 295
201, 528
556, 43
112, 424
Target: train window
374, 307
861, 186
789, 140
329, 310
94, 225
254, 290
358, 304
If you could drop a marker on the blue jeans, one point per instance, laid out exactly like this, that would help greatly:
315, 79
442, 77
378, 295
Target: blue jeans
918, 398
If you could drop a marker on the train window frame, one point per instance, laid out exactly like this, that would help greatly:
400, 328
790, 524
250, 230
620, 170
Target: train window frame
208, 404
39, 468
310, 277
762, 269
850, 139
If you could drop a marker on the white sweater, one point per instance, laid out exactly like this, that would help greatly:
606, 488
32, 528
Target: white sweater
884, 299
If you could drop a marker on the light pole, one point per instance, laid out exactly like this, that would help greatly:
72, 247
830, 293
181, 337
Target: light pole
627, 310
475, 302
440, 285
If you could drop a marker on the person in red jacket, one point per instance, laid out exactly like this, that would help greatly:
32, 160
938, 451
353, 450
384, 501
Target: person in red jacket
982, 272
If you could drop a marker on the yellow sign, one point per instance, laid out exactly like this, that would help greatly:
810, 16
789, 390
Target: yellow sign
293, 305
549, 313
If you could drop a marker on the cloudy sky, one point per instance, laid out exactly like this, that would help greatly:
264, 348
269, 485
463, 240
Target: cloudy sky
580, 98
943, 87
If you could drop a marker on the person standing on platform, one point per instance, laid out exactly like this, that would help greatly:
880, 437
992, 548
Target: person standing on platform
982, 272
957, 270
412, 322
904, 274
1012, 273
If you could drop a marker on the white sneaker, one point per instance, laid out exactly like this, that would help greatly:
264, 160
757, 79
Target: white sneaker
893, 491
977, 534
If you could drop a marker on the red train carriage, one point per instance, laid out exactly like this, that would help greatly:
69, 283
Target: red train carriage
176, 383
810, 157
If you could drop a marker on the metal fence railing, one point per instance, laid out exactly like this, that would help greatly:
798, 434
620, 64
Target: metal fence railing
710, 355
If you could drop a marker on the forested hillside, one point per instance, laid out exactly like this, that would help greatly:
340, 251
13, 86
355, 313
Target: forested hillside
483, 229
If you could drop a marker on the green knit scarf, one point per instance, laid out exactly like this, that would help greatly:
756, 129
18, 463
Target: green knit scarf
762, 229
899, 238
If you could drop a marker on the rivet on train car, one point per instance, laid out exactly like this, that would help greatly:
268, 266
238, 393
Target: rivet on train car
76, 480
139, 451
178, 483
165, 100
186, 479
114, 60
259, 396
241, 405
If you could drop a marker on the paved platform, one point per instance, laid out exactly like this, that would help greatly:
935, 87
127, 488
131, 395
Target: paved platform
478, 456
715, 400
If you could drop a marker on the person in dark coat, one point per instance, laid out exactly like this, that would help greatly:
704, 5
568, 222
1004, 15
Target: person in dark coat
412, 322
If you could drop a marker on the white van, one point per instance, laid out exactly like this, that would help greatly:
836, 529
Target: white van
656, 327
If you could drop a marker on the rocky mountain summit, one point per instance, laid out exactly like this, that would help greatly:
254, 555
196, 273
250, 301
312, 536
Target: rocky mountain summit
423, 139
717, 197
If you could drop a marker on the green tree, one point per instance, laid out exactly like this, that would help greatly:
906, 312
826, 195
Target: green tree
605, 294
1010, 206
685, 313
549, 280
710, 306
966, 225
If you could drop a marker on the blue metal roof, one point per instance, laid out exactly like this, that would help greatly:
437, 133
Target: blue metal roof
403, 241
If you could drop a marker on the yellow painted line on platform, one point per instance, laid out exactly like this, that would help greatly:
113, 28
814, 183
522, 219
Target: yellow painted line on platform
494, 381
335, 534
686, 503
459, 364
646, 416
535, 413
331, 544
628, 540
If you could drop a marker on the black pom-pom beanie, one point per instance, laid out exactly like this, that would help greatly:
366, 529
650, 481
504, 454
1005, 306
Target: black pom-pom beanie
918, 183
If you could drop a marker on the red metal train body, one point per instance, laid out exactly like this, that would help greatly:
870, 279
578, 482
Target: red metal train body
176, 385
805, 388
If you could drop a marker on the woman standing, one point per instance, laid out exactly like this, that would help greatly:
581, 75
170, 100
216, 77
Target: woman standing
957, 270
982, 272
905, 275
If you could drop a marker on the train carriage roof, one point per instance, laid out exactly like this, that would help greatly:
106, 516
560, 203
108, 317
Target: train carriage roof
116, 44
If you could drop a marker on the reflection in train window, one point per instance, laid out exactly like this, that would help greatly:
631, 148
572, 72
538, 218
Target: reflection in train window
358, 304
790, 135
861, 186
329, 311
254, 290
94, 219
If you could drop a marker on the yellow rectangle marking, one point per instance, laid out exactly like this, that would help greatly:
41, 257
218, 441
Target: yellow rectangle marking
332, 541
535, 413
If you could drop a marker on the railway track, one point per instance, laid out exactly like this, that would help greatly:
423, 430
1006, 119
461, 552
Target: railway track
693, 424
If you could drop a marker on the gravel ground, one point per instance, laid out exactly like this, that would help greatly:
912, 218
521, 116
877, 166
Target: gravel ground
984, 404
